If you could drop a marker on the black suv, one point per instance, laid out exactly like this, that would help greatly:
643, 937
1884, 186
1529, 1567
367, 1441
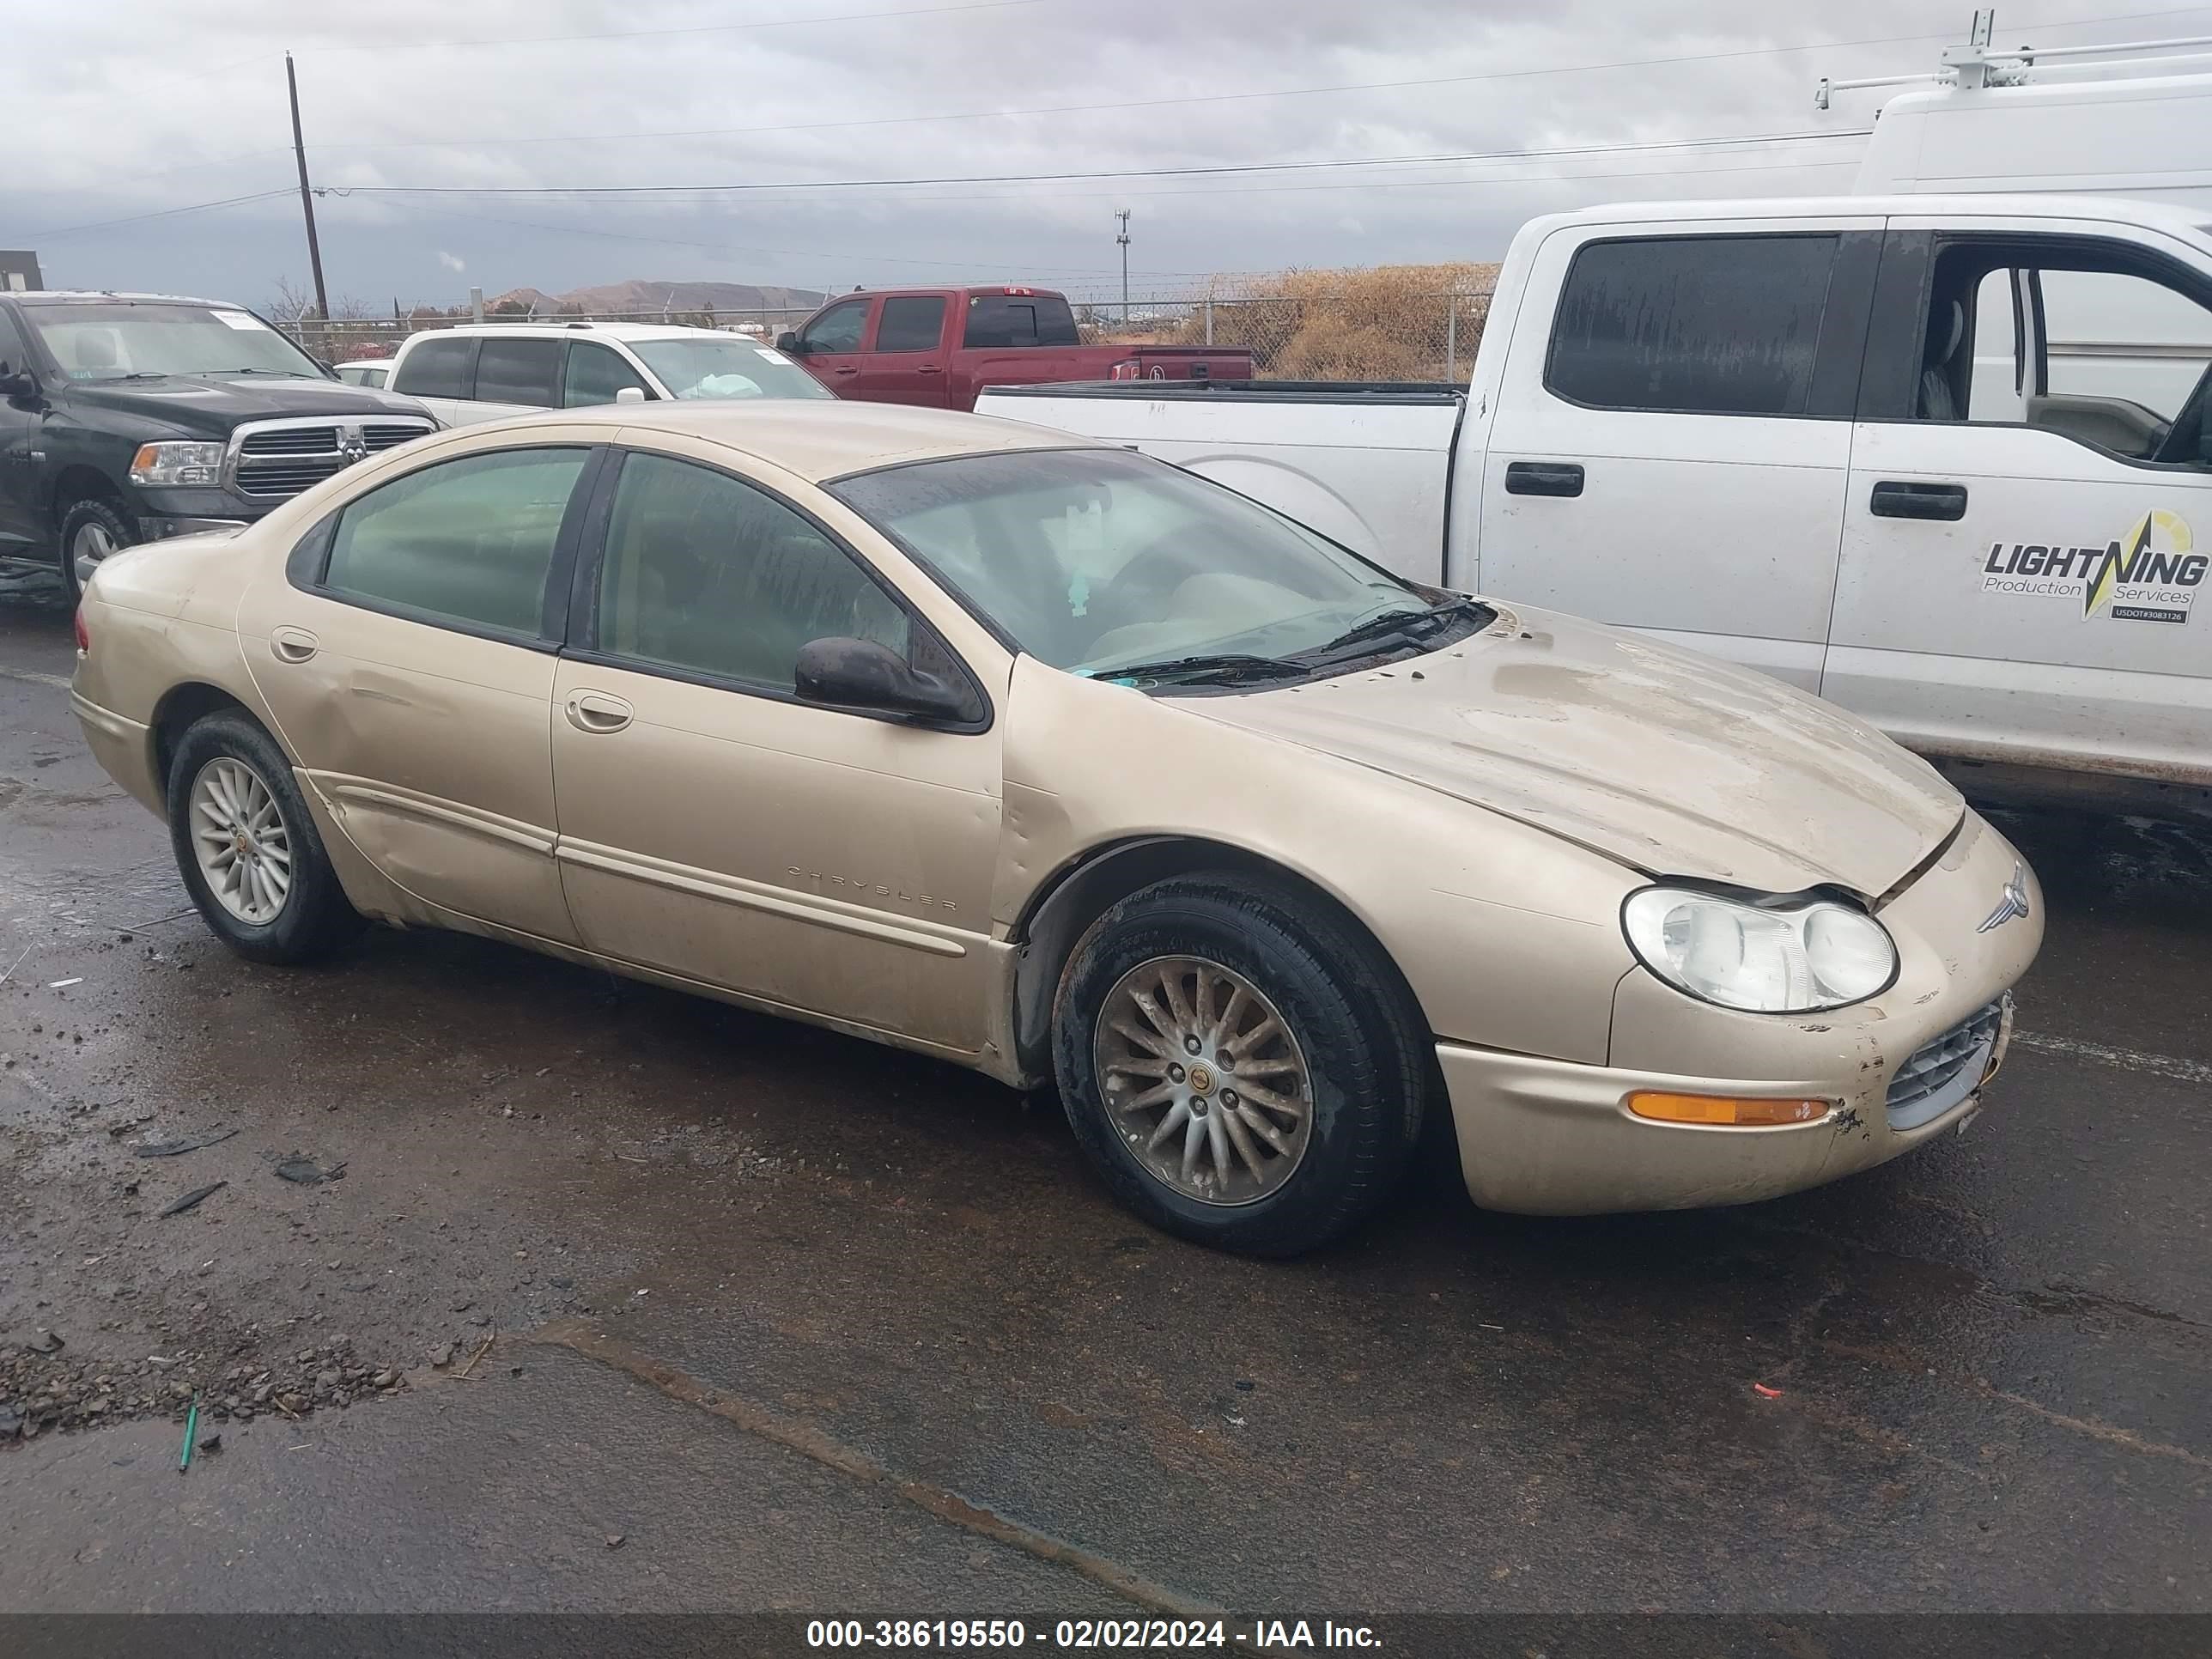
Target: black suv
127, 417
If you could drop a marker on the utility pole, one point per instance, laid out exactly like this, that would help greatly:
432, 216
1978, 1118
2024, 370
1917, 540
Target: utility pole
1122, 214
306, 196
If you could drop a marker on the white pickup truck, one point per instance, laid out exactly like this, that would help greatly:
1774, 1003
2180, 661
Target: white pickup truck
1889, 448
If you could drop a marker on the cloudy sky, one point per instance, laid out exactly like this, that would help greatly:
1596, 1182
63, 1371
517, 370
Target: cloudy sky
443, 133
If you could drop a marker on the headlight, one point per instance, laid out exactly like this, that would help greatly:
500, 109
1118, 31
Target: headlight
177, 464
1781, 956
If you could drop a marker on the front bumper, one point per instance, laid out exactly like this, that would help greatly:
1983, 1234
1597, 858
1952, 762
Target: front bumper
1549, 1137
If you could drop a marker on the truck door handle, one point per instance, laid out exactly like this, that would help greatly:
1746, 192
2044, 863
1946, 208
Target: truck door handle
596, 711
1896, 500
1543, 478
293, 644
927, 369
847, 368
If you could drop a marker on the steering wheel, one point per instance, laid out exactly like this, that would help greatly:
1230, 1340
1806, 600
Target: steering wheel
2184, 443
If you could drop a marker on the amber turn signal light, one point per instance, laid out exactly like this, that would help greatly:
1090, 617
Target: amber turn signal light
1728, 1111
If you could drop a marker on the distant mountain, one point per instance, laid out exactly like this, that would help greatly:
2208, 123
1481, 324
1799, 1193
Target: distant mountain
655, 297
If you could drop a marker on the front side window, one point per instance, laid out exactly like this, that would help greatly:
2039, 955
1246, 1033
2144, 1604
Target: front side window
467, 541
1094, 560
1697, 325
728, 369
438, 369
127, 339
912, 323
595, 374
709, 575
2065, 338
519, 372
837, 329
1020, 320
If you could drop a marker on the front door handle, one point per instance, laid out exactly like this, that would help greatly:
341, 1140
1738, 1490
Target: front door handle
1896, 500
847, 368
929, 368
293, 644
596, 711
1543, 478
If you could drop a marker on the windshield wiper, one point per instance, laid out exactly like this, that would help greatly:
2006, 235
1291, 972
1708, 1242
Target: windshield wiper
281, 373
1224, 668
1396, 624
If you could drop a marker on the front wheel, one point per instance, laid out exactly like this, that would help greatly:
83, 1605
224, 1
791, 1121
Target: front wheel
1240, 1067
91, 530
247, 848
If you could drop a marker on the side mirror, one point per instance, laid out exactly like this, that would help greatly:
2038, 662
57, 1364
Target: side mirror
868, 674
789, 341
630, 394
17, 382
327, 366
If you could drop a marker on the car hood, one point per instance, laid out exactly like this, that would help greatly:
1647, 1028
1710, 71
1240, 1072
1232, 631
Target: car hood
1669, 762
213, 405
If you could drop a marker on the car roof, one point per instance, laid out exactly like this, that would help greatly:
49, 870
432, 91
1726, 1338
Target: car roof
2126, 209
581, 328
95, 296
818, 441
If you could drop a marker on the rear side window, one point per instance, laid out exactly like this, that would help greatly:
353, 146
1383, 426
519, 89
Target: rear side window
1697, 324
519, 372
911, 324
1020, 320
438, 369
467, 541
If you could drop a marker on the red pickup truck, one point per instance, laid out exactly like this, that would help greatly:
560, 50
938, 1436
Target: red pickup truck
939, 346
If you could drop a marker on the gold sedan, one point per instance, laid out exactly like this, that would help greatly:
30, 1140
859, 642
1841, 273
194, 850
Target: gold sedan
1065, 765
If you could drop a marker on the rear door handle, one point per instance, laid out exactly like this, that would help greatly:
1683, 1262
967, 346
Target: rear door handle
293, 644
927, 369
1895, 500
1543, 478
596, 711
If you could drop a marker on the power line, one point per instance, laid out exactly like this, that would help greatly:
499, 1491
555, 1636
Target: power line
696, 28
1214, 170
160, 213
1215, 97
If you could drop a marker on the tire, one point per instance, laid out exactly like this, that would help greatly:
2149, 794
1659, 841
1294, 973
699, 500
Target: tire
1351, 1044
311, 917
94, 520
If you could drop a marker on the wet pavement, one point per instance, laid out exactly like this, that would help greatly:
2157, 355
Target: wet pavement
807, 1324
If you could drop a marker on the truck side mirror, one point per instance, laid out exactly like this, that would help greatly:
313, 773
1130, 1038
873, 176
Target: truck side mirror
17, 382
789, 341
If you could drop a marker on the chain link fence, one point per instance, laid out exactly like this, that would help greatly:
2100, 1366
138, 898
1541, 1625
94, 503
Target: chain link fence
1411, 324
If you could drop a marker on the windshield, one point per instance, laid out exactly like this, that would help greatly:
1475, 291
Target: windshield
1095, 560
726, 369
113, 340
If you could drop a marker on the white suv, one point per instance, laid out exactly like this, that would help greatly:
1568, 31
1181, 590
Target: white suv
481, 371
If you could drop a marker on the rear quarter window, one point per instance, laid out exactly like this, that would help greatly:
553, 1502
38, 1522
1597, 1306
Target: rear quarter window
439, 368
1697, 325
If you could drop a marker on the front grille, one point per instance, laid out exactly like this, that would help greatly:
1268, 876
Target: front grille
1942, 1073
274, 460
294, 440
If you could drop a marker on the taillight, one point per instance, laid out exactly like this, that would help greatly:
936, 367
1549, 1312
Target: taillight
83, 635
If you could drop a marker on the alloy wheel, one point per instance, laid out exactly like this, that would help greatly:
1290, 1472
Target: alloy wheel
240, 842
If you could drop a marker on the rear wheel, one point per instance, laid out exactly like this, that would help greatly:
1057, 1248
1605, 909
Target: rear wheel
247, 848
91, 530
1239, 1065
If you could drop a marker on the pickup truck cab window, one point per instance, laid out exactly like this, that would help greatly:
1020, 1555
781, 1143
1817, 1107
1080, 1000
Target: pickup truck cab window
1020, 320
1700, 325
911, 322
134, 340
837, 329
